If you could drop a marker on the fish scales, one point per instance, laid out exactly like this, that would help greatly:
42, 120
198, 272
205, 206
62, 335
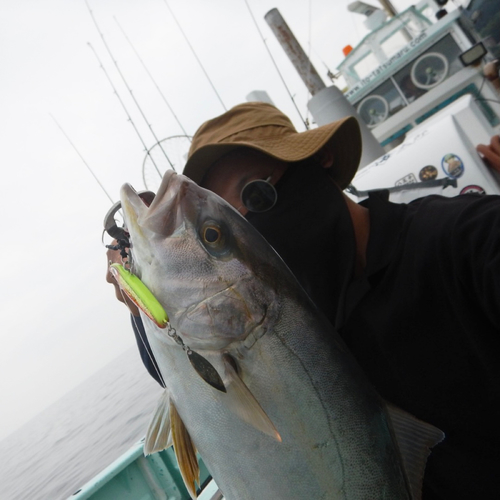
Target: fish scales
235, 297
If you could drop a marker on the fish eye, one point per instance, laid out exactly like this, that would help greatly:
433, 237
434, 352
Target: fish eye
212, 234
216, 238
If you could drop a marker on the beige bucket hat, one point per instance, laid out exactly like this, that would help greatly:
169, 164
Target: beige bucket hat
265, 128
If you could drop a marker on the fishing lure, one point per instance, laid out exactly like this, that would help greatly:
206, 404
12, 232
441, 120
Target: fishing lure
140, 294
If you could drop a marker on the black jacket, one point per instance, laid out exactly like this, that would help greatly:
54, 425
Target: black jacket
424, 323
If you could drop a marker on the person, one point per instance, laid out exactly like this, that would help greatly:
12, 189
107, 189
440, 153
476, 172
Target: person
412, 289
491, 153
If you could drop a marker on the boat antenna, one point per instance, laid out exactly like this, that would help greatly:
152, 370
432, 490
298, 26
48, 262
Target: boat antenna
81, 157
194, 53
150, 76
276, 66
123, 106
125, 81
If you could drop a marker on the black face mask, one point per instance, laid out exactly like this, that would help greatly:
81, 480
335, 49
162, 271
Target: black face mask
311, 229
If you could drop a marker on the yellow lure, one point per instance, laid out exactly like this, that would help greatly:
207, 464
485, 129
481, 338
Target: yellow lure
140, 294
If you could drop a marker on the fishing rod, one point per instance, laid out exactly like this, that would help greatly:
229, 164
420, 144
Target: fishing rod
109, 222
81, 157
150, 76
113, 210
196, 57
126, 84
124, 107
276, 66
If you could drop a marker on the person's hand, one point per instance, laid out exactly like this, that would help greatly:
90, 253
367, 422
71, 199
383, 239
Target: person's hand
112, 257
491, 153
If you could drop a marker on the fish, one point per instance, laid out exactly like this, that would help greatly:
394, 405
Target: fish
258, 383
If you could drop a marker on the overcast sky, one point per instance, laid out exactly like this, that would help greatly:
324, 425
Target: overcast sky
59, 320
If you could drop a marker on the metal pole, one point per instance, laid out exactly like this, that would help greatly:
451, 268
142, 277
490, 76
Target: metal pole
389, 8
294, 51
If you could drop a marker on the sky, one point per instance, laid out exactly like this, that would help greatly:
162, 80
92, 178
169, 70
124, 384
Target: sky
60, 117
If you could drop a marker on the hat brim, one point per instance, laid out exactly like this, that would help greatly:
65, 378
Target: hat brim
343, 136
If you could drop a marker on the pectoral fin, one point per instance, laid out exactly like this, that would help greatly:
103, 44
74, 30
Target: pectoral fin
158, 436
185, 451
415, 439
243, 403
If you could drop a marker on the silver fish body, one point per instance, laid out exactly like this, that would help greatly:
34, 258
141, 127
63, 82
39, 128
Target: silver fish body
231, 299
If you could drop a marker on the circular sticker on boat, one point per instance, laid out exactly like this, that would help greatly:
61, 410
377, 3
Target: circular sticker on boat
473, 189
452, 165
428, 173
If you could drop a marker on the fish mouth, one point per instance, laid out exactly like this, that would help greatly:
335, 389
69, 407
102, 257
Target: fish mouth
131, 201
177, 201
138, 202
163, 216
165, 193
141, 223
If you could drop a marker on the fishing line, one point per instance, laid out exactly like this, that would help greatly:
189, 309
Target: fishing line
126, 85
276, 66
194, 53
82, 158
149, 351
151, 77
124, 108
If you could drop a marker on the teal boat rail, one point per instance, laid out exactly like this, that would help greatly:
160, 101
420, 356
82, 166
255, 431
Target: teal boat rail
136, 477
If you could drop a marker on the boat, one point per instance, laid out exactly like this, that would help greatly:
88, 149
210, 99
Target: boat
418, 87
134, 476
417, 69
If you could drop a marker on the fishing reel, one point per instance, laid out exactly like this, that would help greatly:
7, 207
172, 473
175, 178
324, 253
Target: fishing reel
120, 234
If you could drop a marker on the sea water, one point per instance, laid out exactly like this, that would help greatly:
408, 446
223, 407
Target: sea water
57, 452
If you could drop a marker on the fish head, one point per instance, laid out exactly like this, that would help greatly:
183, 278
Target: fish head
216, 276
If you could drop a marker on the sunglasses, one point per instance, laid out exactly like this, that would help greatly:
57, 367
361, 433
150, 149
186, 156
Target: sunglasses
259, 195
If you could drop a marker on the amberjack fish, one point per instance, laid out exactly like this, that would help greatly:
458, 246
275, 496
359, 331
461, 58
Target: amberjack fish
258, 382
